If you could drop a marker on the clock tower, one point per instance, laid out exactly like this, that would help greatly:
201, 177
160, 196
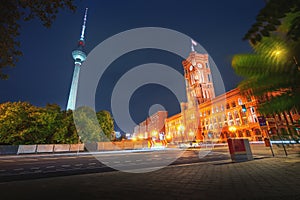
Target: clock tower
199, 89
199, 84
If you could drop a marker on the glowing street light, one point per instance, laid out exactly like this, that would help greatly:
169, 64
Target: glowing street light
232, 129
154, 133
180, 127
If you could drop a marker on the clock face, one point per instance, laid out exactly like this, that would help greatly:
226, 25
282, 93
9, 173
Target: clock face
199, 65
191, 67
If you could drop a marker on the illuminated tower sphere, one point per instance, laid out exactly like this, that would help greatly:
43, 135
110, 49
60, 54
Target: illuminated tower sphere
79, 57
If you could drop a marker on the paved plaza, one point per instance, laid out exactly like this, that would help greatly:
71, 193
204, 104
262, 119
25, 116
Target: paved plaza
262, 178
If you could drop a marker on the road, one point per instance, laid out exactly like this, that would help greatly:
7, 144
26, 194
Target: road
189, 177
23, 167
39, 166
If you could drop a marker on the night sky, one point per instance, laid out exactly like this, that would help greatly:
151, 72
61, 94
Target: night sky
44, 73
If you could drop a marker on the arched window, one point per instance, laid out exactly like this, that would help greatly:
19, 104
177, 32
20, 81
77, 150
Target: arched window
240, 102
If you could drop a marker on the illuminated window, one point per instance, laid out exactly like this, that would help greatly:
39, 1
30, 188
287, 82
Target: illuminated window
227, 106
222, 107
248, 134
233, 104
252, 110
230, 116
240, 102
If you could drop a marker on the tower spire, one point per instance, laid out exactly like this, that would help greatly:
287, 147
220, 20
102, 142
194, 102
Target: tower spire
194, 43
79, 57
83, 25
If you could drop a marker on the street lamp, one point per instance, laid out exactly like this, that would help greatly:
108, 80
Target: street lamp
232, 129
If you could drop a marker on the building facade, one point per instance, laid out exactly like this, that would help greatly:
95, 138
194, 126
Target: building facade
152, 127
205, 117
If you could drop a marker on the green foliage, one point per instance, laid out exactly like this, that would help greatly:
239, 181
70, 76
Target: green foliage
12, 12
272, 71
270, 17
106, 123
23, 123
87, 125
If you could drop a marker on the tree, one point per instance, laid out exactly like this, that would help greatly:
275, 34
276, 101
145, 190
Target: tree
87, 125
17, 123
270, 18
272, 70
23, 123
66, 133
14, 11
106, 123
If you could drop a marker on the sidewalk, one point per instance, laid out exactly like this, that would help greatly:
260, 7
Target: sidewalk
267, 178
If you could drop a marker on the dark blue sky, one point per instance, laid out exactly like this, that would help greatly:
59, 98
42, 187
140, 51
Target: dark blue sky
44, 73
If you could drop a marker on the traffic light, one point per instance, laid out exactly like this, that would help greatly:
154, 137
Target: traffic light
244, 109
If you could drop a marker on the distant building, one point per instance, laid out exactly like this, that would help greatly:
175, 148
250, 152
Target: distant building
153, 126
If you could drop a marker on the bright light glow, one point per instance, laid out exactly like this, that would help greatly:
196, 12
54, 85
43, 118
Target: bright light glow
191, 133
133, 139
277, 52
169, 137
180, 127
154, 133
141, 136
232, 128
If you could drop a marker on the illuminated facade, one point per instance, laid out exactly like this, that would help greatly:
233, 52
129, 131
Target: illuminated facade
153, 126
233, 114
205, 117
79, 57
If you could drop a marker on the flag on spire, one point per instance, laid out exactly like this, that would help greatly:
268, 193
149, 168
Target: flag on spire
194, 43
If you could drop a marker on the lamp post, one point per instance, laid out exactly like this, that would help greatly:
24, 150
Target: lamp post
232, 129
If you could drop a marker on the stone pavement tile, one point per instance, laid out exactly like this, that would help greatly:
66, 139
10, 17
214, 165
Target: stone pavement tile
270, 178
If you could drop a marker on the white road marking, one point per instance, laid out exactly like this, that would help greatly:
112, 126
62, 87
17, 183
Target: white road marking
34, 168
138, 160
116, 161
48, 167
2, 170
127, 160
92, 164
77, 165
18, 169
65, 165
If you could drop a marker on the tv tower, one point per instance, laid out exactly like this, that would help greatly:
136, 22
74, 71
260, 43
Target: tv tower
79, 57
